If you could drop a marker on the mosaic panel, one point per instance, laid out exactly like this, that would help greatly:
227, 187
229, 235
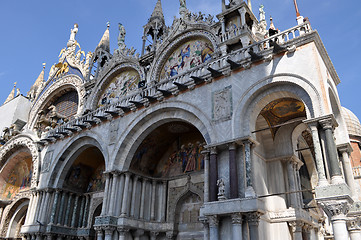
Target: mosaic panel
119, 86
189, 55
19, 178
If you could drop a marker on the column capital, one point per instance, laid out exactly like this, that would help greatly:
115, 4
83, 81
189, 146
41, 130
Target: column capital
122, 230
346, 147
336, 209
354, 224
296, 226
170, 234
108, 229
213, 150
221, 19
237, 218
232, 146
253, 218
315, 122
154, 234
213, 220
308, 227
138, 233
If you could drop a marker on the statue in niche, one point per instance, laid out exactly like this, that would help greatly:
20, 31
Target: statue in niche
182, 3
221, 189
121, 36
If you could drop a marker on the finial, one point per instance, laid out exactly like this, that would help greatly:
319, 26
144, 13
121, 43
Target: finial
11, 95
44, 64
15, 84
108, 24
296, 8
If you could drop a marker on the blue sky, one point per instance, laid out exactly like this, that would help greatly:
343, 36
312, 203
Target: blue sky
33, 32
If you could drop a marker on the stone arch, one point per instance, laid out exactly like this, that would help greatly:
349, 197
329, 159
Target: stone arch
66, 83
311, 165
188, 190
14, 213
65, 159
147, 121
108, 76
269, 89
16, 143
174, 43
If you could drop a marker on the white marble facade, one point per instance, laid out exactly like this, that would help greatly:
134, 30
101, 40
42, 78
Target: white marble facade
247, 141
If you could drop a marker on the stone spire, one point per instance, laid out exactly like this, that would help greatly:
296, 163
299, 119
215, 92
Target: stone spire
11, 95
299, 18
157, 12
104, 42
37, 85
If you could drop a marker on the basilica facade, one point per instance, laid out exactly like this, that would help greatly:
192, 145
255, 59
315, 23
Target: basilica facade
221, 128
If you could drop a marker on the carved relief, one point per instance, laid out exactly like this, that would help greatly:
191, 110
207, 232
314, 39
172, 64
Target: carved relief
47, 162
222, 104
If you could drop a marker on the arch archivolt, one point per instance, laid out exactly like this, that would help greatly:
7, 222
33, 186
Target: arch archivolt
72, 150
103, 83
173, 44
10, 210
271, 88
14, 145
67, 82
137, 130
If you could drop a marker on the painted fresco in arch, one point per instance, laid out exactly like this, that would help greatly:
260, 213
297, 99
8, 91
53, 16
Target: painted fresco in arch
187, 56
97, 182
19, 178
125, 82
170, 150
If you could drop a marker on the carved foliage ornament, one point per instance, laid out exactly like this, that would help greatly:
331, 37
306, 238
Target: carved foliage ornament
22, 141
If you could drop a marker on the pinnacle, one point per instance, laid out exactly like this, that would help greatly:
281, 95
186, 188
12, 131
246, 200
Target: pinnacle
104, 41
158, 11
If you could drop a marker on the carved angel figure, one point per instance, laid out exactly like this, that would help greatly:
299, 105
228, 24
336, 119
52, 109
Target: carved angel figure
182, 3
262, 14
121, 36
73, 32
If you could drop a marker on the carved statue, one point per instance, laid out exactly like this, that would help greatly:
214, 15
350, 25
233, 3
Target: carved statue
221, 189
73, 32
262, 14
182, 3
121, 36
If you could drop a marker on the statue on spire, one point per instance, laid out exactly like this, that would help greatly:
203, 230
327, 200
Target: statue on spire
121, 36
73, 32
182, 8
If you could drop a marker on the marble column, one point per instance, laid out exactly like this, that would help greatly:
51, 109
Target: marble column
213, 227
233, 177
81, 212
237, 226
153, 235
40, 208
125, 196
213, 176
27, 219
337, 211
347, 168
206, 175
68, 208
253, 223
61, 209
354, 228
296, 227
113, 194
163, 207
108, 232
336, 175
122, 233
119, 195
134, 192
86, 210
76, 206
152, 208
292, 183
248, 164
55, 206
138, 233
205, 223
142, 199
144, 39
100, 234
322, 181
46, 206
242, 11
106, 192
